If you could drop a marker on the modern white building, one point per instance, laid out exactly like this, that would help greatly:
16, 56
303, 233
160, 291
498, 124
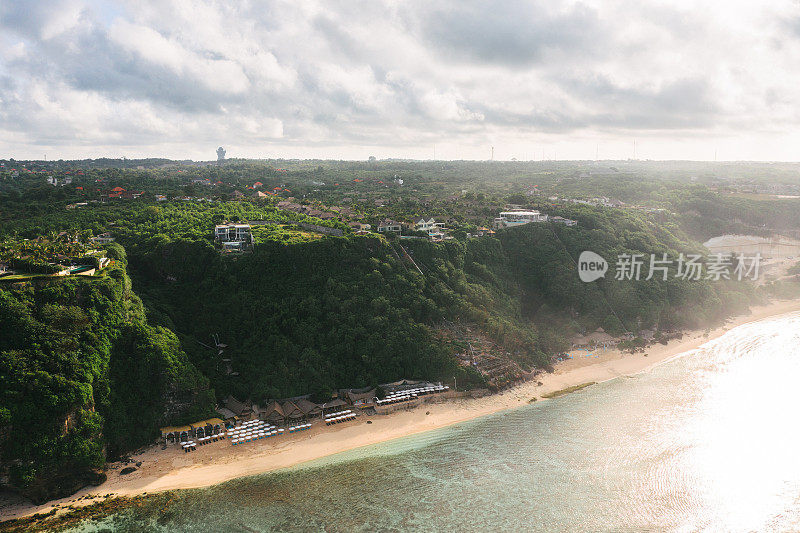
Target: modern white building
518, 217
429, 226
424, 224
233, 233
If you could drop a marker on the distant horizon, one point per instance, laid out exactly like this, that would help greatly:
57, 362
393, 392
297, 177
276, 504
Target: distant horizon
407, 159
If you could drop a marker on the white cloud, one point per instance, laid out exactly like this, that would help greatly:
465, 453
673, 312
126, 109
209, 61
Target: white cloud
65, 18
391, 78
219, 75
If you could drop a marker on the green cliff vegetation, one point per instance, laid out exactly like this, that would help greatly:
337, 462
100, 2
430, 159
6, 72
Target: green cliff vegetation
91, 367
85, 378
354, 311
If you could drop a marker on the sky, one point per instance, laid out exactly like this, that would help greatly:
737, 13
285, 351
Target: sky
416, 79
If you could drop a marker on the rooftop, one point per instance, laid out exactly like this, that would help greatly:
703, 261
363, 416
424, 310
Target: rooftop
520, 212
232, 226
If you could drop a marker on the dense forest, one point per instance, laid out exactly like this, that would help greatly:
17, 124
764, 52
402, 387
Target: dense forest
85, 378
91, 367
351, 311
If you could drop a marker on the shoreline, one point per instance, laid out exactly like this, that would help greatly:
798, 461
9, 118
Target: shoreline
171, 469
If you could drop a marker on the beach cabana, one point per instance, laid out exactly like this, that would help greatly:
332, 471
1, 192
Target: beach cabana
291, 411
172, 434
334, 406
360, 397
308, 407
205, 428
273, 413
227, 415
241, 409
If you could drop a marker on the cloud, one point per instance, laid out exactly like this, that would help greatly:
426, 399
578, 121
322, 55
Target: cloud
151, 50
517, 32
290, 78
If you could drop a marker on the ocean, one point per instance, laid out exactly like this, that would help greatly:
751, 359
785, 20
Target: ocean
705, 442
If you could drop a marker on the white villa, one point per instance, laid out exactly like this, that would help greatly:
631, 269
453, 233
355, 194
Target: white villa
424, 224
519, 217
233, 236
429, 226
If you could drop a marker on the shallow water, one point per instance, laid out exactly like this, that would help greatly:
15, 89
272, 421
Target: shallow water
705, 442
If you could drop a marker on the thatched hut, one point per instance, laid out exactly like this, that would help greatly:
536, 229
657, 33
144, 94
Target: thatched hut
309, 408
273, 413
359, 397
291, 411
334, 406
243, 410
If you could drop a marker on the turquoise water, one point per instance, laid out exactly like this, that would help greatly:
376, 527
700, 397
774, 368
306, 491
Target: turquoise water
707, 442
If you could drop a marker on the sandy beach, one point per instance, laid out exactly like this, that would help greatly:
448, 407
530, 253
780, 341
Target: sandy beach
170, 468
